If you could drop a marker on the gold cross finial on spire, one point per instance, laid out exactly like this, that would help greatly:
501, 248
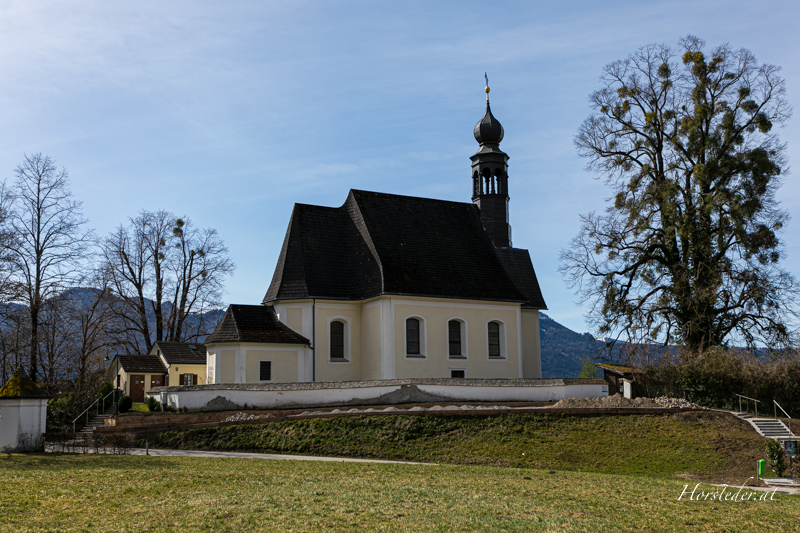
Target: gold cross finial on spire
487, 86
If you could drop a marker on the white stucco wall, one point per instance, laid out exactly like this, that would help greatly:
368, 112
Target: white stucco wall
238, 362
474, 317
385, 391
375, 338
531, 343
22, 423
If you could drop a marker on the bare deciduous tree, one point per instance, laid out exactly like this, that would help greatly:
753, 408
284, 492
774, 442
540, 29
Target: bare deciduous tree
198, 265
163, 270
50, 240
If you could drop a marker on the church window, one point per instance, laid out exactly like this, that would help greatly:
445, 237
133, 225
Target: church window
413, 330
455, 338
265, 370
494, 339
495, 336
337, 340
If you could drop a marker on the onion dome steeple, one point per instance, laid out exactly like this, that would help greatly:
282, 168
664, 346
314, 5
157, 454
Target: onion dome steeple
488, 130
490, 177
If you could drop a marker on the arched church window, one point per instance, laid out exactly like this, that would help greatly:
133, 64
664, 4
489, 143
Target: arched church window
495, 339
337, 339
413, 337
455, 337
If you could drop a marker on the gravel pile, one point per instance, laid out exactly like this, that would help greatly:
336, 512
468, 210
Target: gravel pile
664, 401
243, 417
618, 400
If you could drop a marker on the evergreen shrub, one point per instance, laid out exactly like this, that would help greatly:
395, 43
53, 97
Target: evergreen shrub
125, 404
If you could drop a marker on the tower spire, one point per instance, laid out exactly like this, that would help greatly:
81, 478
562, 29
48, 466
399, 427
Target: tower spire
490, 177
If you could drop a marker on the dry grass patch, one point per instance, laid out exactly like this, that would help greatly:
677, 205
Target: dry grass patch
166, 494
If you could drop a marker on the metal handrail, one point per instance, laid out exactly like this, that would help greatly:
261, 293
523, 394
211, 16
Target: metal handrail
103, 401
86, 412
748, 398
781, 408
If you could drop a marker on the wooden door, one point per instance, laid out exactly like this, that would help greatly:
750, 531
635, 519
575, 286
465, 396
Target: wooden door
137, 387
157, 380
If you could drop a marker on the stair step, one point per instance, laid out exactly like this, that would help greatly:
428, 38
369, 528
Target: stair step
769, 427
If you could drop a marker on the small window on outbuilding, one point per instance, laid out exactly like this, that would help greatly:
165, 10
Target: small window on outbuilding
265, 370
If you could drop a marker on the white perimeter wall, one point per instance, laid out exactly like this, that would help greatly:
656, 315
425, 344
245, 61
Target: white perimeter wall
199, 398
22, 423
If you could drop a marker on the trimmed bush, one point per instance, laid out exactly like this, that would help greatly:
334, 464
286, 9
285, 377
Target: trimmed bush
151, 403
125, 404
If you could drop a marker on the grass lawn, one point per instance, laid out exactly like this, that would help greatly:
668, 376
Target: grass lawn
701, 446
137, 493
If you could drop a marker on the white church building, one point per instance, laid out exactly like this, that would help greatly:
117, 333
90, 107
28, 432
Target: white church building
393, 287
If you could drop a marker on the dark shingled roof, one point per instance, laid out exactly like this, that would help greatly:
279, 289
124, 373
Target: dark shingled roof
253, 323
518, 266
144, 364
186, 353
389, 244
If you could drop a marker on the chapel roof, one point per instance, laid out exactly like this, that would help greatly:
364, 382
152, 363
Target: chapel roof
253, 323
145, 364
379, 243
186, 353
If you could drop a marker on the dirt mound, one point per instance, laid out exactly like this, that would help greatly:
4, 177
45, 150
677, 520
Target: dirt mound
618, 400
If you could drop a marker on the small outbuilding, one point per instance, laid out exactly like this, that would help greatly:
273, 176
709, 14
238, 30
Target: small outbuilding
615, 374
23, 415
137, 374
168, 363
185, 362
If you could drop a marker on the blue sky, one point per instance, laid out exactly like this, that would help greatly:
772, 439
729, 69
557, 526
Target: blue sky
230, 112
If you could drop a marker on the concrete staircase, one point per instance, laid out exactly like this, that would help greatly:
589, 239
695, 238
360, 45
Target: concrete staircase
768, 427
95, 422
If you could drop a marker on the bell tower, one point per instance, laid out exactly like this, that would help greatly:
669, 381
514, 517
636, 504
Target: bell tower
490, 178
